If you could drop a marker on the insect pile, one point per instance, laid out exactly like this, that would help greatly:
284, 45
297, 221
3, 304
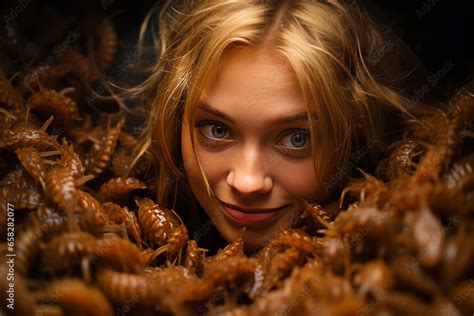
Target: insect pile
90, 240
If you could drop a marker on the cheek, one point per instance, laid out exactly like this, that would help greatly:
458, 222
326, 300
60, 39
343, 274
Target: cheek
299, 179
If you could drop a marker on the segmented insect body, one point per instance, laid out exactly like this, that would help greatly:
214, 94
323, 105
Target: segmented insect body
48, 219
24, 194
194, 258
162, 227
25, 137
176, 242
76, 298
53, 102
369, 189
92, 214
447, 135
61, 189
401, 160
81, 66
459, 182
121, 215
32, 161
127, 288
279, 266
127, 141
99, 156
117, 189
72, 248
234, 249
119, 254
46, 75
319, 217
70, 160
26, 249
155, 221
234, 271
298, 240
107, 44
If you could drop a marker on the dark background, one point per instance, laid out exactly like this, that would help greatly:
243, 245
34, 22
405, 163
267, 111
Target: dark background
436, 30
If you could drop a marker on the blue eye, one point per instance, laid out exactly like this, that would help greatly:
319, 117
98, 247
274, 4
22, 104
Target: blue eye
297, 139
214, 130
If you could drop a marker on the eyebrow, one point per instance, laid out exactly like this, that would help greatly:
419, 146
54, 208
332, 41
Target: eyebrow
276, 121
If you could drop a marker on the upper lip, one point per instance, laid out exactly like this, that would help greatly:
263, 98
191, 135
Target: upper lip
251, 210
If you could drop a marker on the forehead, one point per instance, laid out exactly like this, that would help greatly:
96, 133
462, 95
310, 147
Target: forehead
259, 83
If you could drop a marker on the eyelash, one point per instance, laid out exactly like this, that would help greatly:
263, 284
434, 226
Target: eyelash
303, 131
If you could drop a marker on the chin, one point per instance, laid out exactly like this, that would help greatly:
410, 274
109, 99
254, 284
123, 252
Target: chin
252, 245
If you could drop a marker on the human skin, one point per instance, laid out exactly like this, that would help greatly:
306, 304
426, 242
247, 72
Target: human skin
250, 161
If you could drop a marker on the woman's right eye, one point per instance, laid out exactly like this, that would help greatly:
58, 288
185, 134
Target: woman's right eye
214, 130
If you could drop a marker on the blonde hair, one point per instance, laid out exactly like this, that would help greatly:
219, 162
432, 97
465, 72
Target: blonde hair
352, 82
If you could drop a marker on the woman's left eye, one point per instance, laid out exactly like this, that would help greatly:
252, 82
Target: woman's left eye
214, 130
298, 139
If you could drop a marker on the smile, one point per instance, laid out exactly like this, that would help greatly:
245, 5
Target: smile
250, 216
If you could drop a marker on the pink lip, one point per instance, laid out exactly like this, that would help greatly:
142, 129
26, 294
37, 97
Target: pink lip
247, 218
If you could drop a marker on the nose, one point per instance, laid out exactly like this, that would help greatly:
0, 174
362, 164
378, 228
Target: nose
248, 176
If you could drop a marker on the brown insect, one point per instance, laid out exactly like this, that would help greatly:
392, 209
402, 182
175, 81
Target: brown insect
48, 219
162, 227
70, 160
23, 194
234, 249
121, 215
24, 136
93, 215
194, 258
75, 249
279, 266
55, 103
81, 66
107, 44
61, 188
117, 189
370, 188
99, 155
46, 75
447, 133
127, 141
26, 249
33, 163
233, 271
119, 254
298, 240
401, 161
75, 298
127, 288
317, 214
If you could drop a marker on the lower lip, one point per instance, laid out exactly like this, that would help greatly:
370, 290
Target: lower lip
250, 218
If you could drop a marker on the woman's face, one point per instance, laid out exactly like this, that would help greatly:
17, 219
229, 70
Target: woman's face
253, 144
